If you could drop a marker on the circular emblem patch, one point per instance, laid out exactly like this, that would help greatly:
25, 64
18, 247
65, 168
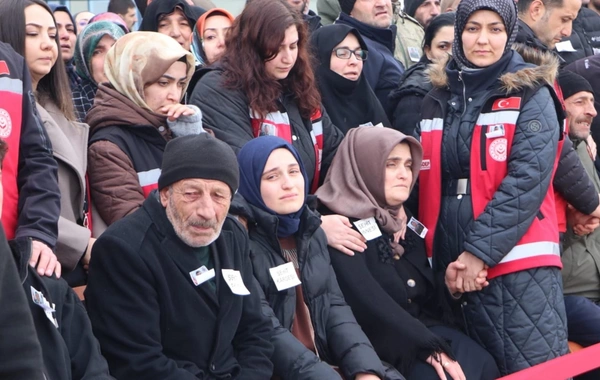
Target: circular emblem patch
534, 126
498, 150
5, 123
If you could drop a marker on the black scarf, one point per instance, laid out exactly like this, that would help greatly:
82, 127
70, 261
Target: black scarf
157, 8
348, 103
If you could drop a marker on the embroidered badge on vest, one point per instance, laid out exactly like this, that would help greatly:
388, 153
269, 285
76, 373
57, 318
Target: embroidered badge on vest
498, 149
513, 103
5, 123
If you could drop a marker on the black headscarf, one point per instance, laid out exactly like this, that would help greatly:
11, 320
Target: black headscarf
159, 7
506, 9
348, 103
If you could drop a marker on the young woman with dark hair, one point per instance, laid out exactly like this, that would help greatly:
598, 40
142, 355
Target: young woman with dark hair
32, 31
265, 85
54, 84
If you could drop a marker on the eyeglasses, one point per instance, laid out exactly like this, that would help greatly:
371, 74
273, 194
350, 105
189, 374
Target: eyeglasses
345, 53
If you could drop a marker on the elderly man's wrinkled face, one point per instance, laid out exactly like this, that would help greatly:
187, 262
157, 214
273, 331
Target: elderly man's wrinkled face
580, 113
197, 209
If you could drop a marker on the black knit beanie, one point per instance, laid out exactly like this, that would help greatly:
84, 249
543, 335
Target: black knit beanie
410, 6
572, 83
347, 6
506, 9
199, 156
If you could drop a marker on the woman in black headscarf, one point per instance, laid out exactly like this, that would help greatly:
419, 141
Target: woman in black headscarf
163, 17
490, 135
345, 93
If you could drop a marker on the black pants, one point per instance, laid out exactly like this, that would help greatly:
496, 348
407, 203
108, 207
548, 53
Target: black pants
476, 363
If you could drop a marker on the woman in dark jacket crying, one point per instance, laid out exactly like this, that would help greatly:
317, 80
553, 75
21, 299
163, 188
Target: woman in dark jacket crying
402, 306
289, 254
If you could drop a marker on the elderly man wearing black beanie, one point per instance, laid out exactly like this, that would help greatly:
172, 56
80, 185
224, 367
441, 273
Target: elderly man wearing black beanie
171, 294
581, 276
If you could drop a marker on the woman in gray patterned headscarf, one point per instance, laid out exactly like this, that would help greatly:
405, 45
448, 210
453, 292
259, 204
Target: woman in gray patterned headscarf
490, 135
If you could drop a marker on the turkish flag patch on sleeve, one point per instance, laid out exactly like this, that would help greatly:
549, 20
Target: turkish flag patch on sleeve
4, 68
513, 103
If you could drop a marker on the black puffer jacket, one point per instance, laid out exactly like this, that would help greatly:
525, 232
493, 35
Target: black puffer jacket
522, 328
585, 37
227, 113
338, 337
406, 100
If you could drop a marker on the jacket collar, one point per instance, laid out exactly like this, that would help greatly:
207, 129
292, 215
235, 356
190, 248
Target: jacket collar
528, 69
265, 224
385, 36
527, 36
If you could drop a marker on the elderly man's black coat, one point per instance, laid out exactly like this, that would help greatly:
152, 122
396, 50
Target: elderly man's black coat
154, 323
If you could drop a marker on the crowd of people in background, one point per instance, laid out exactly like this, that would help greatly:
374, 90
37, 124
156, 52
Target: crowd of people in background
376, 190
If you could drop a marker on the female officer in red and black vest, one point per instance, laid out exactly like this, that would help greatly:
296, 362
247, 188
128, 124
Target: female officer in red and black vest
490, 134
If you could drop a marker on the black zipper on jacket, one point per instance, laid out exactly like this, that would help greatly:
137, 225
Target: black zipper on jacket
483, 148
464, 91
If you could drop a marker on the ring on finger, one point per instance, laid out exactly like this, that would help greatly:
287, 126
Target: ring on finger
446, 364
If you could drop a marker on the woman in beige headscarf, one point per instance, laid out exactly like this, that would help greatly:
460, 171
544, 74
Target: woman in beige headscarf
133, 117
392, 290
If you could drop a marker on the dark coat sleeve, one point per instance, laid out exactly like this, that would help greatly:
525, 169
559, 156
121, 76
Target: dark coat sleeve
509, 214
385, 321
347, 341
252, 340
407, 115
224, 111
133, 350
37, 179
20, 352
87, 362
573, 183
332, 137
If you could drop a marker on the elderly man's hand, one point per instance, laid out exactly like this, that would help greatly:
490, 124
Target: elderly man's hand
582, 224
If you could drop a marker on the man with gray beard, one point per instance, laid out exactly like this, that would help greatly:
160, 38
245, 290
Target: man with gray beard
171, 293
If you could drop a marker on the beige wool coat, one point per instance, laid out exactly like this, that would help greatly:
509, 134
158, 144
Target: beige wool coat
69, 144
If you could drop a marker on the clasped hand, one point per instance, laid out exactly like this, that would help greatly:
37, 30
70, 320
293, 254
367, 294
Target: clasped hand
467, 274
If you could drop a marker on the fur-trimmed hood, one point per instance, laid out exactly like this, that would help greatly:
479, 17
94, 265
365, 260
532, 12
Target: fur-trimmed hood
540, 68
